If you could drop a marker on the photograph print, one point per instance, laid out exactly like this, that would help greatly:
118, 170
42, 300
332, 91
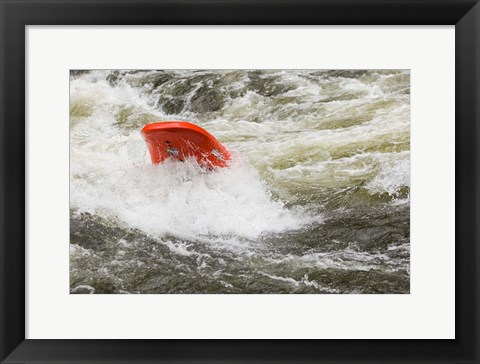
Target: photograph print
240, 181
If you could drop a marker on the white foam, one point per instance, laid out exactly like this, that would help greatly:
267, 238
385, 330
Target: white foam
174, 198
394, 173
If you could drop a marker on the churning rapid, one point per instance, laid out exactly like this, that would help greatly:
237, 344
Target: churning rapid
316, 199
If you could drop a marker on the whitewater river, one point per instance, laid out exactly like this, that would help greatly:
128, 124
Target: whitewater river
316, 200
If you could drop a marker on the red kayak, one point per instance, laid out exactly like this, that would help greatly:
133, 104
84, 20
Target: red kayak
180, 140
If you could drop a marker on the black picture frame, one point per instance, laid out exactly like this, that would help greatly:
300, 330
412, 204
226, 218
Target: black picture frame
16, 14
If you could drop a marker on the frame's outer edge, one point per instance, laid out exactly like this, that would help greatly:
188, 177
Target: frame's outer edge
239, 12
16, 14
467, 172
3, 330
12, 162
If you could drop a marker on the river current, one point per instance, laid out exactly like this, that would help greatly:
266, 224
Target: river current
316, 199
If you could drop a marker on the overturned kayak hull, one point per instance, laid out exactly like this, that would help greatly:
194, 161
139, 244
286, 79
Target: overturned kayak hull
180, 140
